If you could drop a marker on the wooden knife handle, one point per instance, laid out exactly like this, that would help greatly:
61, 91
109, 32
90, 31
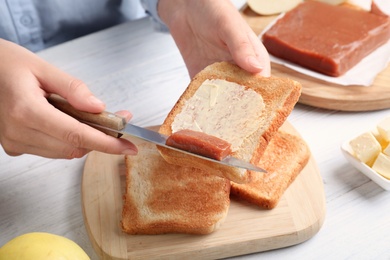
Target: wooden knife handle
104, 119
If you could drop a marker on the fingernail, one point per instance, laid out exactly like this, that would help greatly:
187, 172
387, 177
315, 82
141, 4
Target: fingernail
129, 152
254, 62
95, 101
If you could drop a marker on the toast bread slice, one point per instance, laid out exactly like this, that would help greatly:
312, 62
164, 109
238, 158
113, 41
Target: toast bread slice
279, 96
285, 157
164, 198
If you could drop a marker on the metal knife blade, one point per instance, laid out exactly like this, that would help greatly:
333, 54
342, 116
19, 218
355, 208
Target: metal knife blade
116, 126
160, 139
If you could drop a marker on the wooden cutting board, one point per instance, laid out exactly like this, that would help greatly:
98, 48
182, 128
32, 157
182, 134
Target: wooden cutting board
247, 228
319, 93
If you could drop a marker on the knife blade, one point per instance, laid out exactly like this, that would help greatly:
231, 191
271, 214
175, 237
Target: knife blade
117, 126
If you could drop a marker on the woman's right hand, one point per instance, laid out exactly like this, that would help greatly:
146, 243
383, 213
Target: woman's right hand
30, 125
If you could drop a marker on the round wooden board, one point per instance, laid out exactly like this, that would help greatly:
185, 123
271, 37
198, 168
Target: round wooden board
247, 228
327, 95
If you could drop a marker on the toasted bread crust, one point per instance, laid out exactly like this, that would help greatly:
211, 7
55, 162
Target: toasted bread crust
164, 198
284, 158
280, 96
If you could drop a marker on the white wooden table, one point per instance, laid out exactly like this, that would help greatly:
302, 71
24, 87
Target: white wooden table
133, 67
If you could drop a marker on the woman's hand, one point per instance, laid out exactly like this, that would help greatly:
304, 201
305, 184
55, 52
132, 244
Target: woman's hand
209, 31
29, 124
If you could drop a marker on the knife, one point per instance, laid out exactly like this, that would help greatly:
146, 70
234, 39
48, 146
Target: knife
116, 126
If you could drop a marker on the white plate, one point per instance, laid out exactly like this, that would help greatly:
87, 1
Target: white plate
366, 170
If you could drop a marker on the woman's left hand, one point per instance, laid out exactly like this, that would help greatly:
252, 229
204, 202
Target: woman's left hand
209, 31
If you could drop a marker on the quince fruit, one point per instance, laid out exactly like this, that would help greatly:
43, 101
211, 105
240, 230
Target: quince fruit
41, 246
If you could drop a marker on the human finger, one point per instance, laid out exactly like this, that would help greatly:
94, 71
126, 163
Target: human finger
78, 135
261, 54
42, 144
247, 53
75, 91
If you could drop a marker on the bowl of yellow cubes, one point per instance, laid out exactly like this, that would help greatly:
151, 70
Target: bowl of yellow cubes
369, 152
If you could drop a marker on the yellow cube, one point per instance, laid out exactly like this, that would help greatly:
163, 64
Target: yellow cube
384, 128
382, 141
382, 165
386, 150
366, 148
